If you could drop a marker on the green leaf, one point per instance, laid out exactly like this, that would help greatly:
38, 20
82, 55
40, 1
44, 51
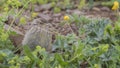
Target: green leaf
60, 59
28, 52
4, 66
82, 4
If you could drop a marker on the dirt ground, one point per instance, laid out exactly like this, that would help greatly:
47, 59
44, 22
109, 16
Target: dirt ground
46, 17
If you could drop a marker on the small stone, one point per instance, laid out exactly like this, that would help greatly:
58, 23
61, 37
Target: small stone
45, 17
96, 9
42, 7
37, 21
105, 9
46, 6
57, 15
16, 39
77, 12
37, 8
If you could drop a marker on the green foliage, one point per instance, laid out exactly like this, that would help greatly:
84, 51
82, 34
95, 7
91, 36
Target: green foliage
91, 3
102, 32
99, 49
82, 4
95, 31
14, 3
79, 20
4, 42
42, 1
57, 10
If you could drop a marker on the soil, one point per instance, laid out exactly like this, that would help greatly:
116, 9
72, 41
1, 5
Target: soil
53, 20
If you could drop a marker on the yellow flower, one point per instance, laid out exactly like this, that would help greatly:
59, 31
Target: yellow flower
66, 18
115, 5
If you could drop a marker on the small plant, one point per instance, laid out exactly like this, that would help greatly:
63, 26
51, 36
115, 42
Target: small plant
57, 10
82, 4
42, 1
